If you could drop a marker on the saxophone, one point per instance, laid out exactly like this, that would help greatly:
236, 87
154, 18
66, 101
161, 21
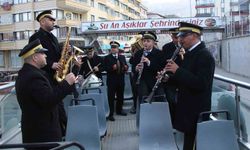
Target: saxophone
65, 59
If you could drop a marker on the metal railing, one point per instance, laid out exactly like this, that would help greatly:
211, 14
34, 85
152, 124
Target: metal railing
237, 84
51, 145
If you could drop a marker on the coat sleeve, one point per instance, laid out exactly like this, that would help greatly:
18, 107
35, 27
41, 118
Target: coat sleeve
46, 96
199, 79
107, 64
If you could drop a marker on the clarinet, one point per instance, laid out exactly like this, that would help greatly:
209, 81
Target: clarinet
161, 75
140, 71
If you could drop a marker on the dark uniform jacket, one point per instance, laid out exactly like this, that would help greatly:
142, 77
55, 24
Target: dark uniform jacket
149, 72
50, 42
194, 81
114, 78
39, 102
168, 51
84, 70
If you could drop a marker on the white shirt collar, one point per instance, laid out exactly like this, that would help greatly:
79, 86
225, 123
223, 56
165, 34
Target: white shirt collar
195, 45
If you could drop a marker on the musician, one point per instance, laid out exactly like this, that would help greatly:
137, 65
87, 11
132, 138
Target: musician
134, 48
194, 81
38, 99
92, 63
50, 42
149, 61
168, 51
116, 67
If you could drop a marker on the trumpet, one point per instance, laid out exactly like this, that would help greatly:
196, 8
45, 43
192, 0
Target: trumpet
163, 74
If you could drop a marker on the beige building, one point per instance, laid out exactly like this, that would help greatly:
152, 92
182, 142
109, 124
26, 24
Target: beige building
17, 21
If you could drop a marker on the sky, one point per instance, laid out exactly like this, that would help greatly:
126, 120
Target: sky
168, 7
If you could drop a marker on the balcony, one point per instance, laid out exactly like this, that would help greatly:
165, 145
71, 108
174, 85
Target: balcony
7, 27
73, 5
7, 45
205, 5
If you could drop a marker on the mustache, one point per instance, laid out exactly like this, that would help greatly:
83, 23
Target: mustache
56, 26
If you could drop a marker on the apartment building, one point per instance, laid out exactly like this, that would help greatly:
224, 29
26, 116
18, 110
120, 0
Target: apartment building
17, 21
234, 13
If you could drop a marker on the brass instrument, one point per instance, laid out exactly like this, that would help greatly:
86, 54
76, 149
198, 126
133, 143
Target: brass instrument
66, 57
137, 44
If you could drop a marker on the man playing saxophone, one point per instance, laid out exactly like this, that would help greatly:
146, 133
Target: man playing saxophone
50, 42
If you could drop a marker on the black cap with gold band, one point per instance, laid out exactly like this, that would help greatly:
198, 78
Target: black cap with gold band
114, 44
46, 13
149, 35
174, 31
88, 48
32, 48
185, 28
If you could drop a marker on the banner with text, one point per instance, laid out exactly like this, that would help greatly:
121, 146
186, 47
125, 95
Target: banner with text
157, 24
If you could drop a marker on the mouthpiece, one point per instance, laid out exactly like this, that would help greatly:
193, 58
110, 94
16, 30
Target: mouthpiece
56, 26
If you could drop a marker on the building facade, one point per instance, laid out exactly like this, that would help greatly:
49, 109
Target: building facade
18, 23
234, 13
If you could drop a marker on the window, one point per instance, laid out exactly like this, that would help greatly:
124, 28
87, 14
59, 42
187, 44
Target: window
16, 62
22, 35
6, 36
117, 14
92, 18
2, 59
16, 17
21, 1
59, 14
22, 17
92, 3
117, 3
75, 16
102, 7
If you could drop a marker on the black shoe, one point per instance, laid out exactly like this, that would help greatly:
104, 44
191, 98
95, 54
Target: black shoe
121, 113
111, 118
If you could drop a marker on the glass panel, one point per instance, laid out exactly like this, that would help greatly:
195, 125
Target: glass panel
223, 98
1, 58
10, 113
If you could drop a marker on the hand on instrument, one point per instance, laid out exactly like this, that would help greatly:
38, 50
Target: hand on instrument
79, 79
77, 61
146, 60
114, 67
70, 78
171, 66
139, 67
125, 68
181, 53
57, 66
96, 69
